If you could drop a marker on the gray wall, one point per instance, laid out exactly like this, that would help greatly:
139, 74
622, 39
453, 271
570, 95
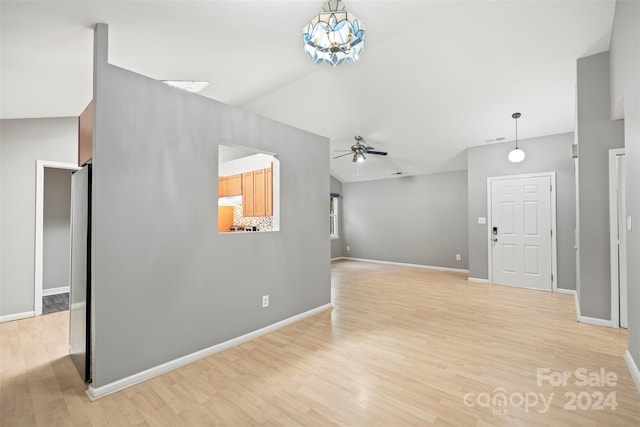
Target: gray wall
597, 134
22, 142
165, 282
56, 228
415, 219
625, 101
337, 245
545, 154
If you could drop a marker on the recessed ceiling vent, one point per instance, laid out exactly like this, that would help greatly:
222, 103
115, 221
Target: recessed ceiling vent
492, 140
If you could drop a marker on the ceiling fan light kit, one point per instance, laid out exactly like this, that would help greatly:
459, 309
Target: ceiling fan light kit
516, 155
359, 149
334, 35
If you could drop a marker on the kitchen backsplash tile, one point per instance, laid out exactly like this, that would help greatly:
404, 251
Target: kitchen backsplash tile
264, 223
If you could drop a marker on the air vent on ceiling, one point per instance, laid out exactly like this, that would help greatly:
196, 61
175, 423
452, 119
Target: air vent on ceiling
492, 140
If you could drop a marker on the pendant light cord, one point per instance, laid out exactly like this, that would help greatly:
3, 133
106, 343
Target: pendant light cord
516, 116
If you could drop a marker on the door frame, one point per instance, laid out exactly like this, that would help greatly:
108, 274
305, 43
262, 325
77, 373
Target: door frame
554, 251
37, 281
613, 231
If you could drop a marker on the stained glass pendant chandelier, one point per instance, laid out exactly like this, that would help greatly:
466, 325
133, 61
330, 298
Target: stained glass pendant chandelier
334, 36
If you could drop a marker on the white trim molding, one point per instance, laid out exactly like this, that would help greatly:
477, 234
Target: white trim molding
55, 291
633, 368
37, 282
16, 316
566, 291
589, 320
476, 280
617, 280
95, 393
594, 321
404, 264
337, 258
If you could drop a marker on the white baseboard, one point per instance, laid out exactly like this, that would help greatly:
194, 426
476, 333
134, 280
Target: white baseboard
594, 321
403, 264
633, 368
95, 393
55, 291
589, 320
17, 316
559, 290
337, 258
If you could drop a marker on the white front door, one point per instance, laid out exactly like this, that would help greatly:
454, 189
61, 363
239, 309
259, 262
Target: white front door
520, 232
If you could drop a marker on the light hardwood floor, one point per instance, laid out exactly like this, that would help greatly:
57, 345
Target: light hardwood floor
403, 346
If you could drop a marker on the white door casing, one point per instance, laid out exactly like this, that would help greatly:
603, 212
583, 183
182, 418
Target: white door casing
521, 231
618, 237
39, 225
622, 246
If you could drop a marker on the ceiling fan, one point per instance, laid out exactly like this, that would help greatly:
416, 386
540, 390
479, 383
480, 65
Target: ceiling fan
359, 150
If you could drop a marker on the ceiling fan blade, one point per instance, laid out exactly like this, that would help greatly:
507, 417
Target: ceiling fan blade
379, 153
342, 155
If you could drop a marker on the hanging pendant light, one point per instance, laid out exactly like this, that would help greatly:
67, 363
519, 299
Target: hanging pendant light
334, 35
516, 155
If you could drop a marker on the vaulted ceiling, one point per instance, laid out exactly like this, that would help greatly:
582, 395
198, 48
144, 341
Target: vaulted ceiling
436, 76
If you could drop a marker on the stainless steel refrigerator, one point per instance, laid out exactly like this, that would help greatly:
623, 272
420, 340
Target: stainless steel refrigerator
80, 291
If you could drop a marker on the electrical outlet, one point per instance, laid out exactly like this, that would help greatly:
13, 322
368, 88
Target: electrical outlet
265, 301
458, 257
348, 248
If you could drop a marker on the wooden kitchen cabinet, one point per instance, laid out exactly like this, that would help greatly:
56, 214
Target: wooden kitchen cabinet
269, 196
222, 186
234, 185
230, 186
85, 135
247, 194
257, 193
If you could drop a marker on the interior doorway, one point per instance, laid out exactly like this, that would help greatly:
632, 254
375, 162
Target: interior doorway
521, 232
618, 238
52, 261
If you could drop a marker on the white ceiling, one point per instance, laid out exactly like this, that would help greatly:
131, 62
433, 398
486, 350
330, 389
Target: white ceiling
436, 76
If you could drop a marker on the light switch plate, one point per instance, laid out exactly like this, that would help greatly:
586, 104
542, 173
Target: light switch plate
482, 220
